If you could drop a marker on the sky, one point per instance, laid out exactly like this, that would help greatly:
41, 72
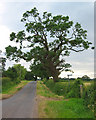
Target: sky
82, 12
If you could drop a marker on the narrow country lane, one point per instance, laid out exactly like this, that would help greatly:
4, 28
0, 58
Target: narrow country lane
22, 104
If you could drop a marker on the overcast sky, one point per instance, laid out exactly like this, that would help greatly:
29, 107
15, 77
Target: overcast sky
82, 12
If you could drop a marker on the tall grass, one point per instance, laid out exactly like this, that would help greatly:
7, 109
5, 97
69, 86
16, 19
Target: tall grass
72, 108
7, 84
66, 89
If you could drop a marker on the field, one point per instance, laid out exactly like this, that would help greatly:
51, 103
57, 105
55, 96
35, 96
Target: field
52, 105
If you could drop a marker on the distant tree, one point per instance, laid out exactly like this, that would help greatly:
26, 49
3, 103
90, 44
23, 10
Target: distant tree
3, 63
21, 71
85, 77
16, 73
29, 76
38, 70
79, 77
12, 73
49, 38
3, 66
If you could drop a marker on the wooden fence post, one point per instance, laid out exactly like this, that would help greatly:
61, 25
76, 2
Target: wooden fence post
81, 90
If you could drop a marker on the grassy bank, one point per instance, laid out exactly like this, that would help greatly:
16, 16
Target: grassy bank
54, 106
42, 90
11, 90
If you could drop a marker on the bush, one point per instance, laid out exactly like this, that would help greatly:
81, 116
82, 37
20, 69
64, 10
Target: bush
44, 80
17, 81
67, 89
29, 76
60, 88
89, 95
75, 90
6, 83
50, 84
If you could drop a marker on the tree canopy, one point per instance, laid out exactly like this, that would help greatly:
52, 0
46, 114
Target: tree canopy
16, 73
38, 70
86, 77
49, 38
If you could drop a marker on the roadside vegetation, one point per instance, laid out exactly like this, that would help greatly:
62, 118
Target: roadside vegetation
13, 79
62, 102
9, 88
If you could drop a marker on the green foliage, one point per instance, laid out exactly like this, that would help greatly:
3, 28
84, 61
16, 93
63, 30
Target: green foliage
6, 84
29, 76
21, 71
9, 87
75, 90
11, 73
50, 84
72, 108
19, 88
85, 77
59, 88
3, 60
39, 46
38, 70
67, 89
44, 80
16, 73
89, 96
43, 91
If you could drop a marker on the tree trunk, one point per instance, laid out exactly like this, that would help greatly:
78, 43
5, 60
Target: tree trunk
54, 71
55, 77
35, 78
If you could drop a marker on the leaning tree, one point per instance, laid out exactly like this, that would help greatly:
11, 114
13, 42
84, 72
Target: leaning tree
47, 39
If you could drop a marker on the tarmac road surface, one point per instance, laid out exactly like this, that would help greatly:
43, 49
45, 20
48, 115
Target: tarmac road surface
22, 104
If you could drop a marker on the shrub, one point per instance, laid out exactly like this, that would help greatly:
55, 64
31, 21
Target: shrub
6, 83
62, 88
17, 81
44, 80
50, 84
89, 95
75, 90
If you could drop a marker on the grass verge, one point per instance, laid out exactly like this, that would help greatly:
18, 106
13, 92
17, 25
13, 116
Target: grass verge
54, 106
12, 90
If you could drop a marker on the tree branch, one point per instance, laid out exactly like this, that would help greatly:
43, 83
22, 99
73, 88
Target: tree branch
58, 63
76, 50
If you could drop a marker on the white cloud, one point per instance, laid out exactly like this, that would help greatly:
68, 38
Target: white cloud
2, 8
4, 37
22, 62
